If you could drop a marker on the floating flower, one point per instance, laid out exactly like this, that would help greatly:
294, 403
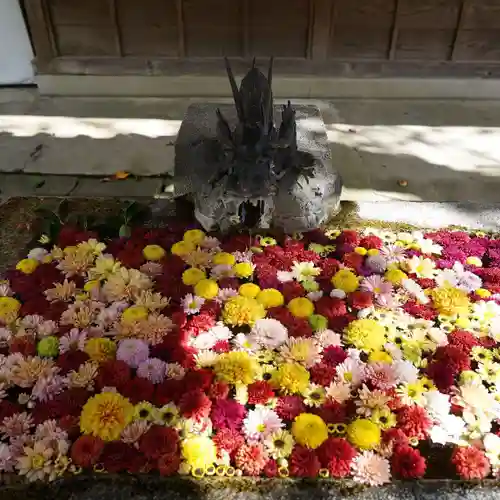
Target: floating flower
309, 430
192, 304
365, 334
236, 368
371, 469
363, 434
242, 311
260, 423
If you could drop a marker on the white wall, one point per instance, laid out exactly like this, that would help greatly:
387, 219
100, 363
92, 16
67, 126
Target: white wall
15, 49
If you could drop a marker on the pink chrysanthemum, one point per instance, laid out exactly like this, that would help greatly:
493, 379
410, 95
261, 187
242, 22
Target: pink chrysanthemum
74, 340
17, 425
369, 468
153, 369
133, 352
251, 458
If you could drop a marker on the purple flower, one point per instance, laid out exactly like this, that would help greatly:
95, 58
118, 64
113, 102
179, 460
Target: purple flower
152, 369
133, 352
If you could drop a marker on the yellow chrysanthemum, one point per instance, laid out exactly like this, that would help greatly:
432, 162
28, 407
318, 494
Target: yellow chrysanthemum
105, 415
243, 270
194, 236
193, 276
249, 290
236, 367
134, 313
224, 259
199, 452
182, 248
483, 293
383, 418
27, 266
239, 311
270, 297
361, 251
474, 261
291, 378
153, 252
380, 357
301, 307
309, 430
450, 301
145, 411
9, 309
372, 252
345, 280
395, 276
363, 434
365, 334
206, 289
90, 285
100, 349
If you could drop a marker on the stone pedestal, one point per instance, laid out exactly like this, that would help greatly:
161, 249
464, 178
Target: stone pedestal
298, 205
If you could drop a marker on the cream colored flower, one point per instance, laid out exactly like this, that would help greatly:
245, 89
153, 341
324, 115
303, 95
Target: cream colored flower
61, 291
152, 329
92, 246
27, 371
305, 351
85, 375
206, 359
36, 462
75, 261
339, 391
81, 313
314, 395
422, 267
134, 431
126, 284
369, 401
198, 258
279, 444
151, 300
104, 267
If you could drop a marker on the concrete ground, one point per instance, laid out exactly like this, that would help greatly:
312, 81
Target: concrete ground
410, 150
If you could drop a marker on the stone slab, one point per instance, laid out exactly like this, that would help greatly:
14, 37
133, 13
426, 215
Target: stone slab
22, 185
145, 187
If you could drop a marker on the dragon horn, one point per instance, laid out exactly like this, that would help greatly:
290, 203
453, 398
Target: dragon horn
236, 92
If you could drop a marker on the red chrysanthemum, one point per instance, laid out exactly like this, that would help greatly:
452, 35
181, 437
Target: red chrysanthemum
454, 358
304, 462
138, 389
289, 407
395, 436
71, 361
292, 290
419, 310
271, 468
328, 267
463, 340
229, 283
169, 390
195, 404
218, 390
334, 355
360, 300
332, 412
336, 455
198, 379
348, 237
113, 373
407, 463
441, 375
267, 276
251, 458
23, 345
330, 307
299, 327
426, 282
414, 421
8, 408
159, 440
227, 414
213, 307
487, 342
353, 260
322, 373
260, 392
229, 440
371, 241
118, 456
200, 323
168, 464
86, 451
470, 462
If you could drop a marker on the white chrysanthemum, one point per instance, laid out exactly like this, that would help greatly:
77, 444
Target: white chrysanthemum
284, 276
315, 296
370, 468
192, 303
38, 254
422, 267
205, 340
221, 332
351, 371
327, 338
175, 371
339, 391
269, 333
260, 423
206, 359
437, 404
279, 444
225, 294
245, 343
405, 371
491, 444
414, 289
337, 293
303, 271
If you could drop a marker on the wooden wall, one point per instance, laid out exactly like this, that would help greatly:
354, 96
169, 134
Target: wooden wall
318, 31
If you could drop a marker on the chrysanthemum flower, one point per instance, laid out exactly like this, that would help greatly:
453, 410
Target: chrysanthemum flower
260, 423
279, 444
309, 430
371, 469
236, 367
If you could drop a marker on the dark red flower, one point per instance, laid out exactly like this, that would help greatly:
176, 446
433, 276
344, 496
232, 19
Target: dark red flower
371, 241
330, 307
118, 456
138, 389
464, 340
322, 373
218, 390
113, 373
304, 462
419, 310
299, 327
159, 440
332, 412
131, 257
454, 358
336, 455
37, 304
407, 463
353, 260
289, 407
334, 355
360, 300
71, 360
260, 392
8, 408
195, 404
328, 267
198, 379
168, 464
229, 440
227, 414
169, 390
221, 346
271, 468
441, 375
395, 436
292, 290
414, 421
348, 237
470, 462
86, 451
23, 345
212, 307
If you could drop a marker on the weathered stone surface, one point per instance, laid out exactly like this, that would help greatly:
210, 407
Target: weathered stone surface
299, 204
22, 185
154, 488
142, 187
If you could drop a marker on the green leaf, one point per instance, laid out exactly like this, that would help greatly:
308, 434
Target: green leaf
125, 231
